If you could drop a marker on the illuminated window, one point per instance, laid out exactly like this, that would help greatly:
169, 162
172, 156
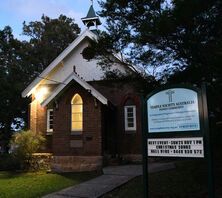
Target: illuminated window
77, 115
49, 120
130, 117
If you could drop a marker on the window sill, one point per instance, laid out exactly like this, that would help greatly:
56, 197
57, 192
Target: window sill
130, 131
76, 132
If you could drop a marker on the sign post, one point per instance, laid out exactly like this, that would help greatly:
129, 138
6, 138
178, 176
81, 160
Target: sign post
144, 147
207, 144
176, 125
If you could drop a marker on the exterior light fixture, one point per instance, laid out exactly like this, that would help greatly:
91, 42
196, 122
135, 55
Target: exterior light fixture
40, 93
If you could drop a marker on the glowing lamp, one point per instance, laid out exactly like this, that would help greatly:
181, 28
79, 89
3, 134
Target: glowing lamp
41, 93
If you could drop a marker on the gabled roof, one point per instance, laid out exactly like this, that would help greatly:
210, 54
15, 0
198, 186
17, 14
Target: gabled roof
87, 33
83, 83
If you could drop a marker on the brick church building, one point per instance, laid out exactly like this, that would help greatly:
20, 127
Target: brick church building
85, 118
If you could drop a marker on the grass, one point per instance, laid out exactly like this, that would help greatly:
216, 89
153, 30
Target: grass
189, 179
27, 185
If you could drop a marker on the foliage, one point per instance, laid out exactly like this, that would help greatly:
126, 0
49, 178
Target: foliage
37, 184
24, 144
88, 53
14, 73
48, 38
8, 162
177, 41
172, 34
21, 62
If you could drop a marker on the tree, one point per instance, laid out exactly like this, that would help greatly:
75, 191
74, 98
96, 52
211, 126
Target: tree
14, 72
178, 34
180, 40
48, 38
22, 61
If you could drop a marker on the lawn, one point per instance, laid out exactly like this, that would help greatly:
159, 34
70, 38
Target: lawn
188, 180
25, 185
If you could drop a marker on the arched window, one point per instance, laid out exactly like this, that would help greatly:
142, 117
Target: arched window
77, 113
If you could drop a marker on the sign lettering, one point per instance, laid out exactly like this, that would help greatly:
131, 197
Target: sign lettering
173, 110
176, 147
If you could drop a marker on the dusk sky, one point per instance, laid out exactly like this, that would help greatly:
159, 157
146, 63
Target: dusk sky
14, 12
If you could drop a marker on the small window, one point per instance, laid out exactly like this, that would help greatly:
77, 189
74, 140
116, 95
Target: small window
130, 117
77, 115
50, 120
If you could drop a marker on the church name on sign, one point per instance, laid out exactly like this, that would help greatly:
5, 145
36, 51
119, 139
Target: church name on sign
173, 110
177, 105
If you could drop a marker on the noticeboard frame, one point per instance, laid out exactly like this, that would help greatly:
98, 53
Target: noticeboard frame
193, 133
204, 132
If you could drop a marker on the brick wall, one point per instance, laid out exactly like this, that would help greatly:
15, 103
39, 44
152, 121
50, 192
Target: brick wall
33, 115
85, 143
38, 121
118, 92
103, 127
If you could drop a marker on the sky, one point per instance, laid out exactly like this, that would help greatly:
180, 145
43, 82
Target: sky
14, 12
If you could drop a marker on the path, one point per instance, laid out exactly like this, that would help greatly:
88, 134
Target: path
113, 177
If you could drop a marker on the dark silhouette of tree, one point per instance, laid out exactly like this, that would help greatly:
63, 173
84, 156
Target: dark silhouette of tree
49, 37
177, 41
167, 36
22, 61
14, 72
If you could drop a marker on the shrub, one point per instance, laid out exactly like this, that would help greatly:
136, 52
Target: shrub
8, 162
24, 144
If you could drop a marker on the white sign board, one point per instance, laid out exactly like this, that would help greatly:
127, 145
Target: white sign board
176, 147
172, 110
